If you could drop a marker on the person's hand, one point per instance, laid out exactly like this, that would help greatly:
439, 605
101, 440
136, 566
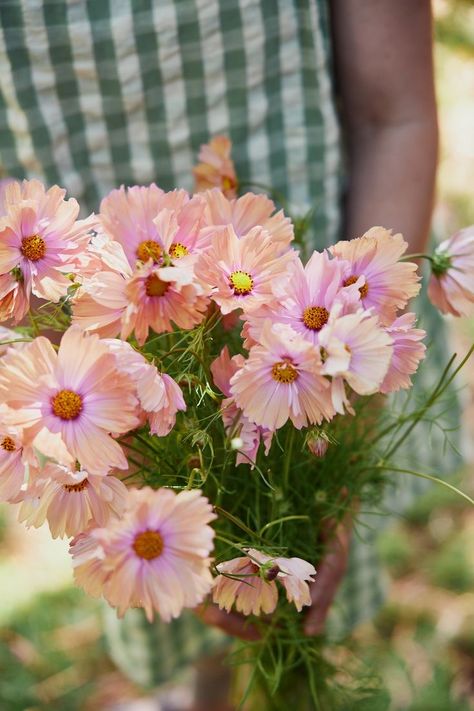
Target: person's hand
232, 623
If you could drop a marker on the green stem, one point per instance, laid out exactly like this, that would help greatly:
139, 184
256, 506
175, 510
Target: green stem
290, 439
416, 255
436, 479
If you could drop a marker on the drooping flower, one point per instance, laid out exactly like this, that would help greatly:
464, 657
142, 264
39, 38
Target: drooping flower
41, 239
408, 351
156, 556
306, 299
451, 286
242, 271
356, 349
71, 500
249, 582
236, 424
159, 395
14, 297
12, 467
70, 402
216, 167
161, 296
389, 283
282, 379
244, 214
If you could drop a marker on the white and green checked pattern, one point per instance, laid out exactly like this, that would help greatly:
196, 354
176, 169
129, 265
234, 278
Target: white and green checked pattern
96, 93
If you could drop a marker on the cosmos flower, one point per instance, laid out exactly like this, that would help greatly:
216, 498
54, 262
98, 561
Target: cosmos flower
216, 167
12, 467
389, 283
70, 402
243, 214
71, 500
249, 582
282, 379
156, 556
408, 351
451, 286
41, 240
241, 271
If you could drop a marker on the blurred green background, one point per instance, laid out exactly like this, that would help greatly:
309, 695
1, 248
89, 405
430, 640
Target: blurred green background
52, 652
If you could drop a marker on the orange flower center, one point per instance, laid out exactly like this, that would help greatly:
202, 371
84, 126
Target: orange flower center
8, 444
228, 183
67, 405
33, 247
148, 545
364, 289
178, 250
314, 317
284, 372
154, 286
76, 487
149, 249
241, 283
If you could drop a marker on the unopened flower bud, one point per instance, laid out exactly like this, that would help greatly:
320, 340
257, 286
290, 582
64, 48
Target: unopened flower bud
236, 443
271, 573
318, 445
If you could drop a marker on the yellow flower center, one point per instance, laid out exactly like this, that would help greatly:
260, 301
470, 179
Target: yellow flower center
241, 283
8, 444
314, 317
33, 247
67, 405
149, 249
228, 183
154, 286
76, 487
364, 289
148, 545
284, 372
178, 250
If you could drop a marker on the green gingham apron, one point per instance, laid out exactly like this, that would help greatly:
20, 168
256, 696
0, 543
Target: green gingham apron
96, 93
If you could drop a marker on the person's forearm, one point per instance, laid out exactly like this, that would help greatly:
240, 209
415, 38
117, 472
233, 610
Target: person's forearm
392, 177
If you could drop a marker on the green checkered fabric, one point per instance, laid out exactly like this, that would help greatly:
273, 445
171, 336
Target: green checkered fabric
96, 93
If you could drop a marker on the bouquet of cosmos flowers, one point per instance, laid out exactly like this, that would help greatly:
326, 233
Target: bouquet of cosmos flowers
188, 401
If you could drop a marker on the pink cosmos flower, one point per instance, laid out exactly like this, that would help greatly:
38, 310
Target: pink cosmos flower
41, 239
282, 379
357, 349
4, 183
249, 582
244, 214
12, 467
306, 299
71, 500
70, 402
134, 218
408, 351
389, 283
158, 296
155, 557
14, 297
451, 286
236, 425
216, 167
242, 271
159, 395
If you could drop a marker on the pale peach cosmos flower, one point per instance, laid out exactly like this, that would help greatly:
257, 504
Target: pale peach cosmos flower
159, 297
357, 349
71, 500
282, 379
68, 403
216, 167
156, 556
12, 467
249, 582
389, 283
159, 395
236, 424
451, 286
41, 238
244, 213
241, 271
408, 351
14, 298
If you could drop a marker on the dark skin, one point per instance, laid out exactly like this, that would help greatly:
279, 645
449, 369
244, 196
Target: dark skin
384, 69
